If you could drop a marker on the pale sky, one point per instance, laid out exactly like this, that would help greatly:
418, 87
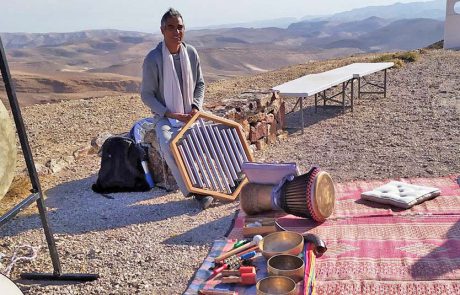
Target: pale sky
40, 16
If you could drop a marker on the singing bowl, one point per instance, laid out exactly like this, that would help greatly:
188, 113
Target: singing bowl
286, 242
7, 151
276, 286
287, 266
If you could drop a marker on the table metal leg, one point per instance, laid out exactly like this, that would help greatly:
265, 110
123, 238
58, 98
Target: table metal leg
316, 102
301, 112
359, 87
352, 93
324, 97
385, 83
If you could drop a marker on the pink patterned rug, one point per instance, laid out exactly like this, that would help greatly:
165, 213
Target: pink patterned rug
380, 249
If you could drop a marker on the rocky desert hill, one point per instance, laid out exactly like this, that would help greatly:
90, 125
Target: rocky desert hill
61, 66
131, 239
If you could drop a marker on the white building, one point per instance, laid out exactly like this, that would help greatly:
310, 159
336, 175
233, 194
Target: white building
452, 25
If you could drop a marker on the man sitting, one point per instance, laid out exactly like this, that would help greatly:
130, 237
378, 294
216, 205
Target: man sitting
173, 88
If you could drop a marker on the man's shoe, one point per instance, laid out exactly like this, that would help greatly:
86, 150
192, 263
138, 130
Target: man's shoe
205, 201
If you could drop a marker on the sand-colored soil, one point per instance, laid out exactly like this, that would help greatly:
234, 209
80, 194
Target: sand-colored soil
151, 243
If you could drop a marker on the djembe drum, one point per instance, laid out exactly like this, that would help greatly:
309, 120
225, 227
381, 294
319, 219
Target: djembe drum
209, 151
310, 195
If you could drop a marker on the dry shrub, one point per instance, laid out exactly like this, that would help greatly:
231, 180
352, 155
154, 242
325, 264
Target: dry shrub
408, 56
19, 189
399, 58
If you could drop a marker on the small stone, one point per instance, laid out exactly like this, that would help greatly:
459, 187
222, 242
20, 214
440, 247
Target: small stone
98, 141
261, 144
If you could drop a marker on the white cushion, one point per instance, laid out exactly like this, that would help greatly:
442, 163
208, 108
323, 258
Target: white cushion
401, 194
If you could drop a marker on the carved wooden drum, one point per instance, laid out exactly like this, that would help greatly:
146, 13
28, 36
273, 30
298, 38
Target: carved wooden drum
309, 195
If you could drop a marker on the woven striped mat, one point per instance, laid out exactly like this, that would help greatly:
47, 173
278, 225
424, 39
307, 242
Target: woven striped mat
374, 248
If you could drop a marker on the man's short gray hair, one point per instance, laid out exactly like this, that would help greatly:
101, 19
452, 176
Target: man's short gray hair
170, 13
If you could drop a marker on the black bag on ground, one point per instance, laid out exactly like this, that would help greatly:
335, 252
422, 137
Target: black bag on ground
121, 167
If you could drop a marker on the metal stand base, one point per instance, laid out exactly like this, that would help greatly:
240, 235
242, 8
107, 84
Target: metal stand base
78, 277
37, 194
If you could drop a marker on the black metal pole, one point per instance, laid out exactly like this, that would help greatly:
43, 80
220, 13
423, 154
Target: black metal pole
36, 188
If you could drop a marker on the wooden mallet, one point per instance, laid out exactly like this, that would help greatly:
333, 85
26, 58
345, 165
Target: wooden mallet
255, 242
238, 272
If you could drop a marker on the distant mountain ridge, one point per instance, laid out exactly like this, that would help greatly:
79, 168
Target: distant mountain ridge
29, 40
113, 55
431, 9
435, 9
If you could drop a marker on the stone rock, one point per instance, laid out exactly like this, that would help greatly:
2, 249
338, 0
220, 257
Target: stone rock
256, 117
258, 131
98, 141
41, 169
82, 151
270, 118
283, 135
161, 173
280, 116
261, 144
271, 138
57, 165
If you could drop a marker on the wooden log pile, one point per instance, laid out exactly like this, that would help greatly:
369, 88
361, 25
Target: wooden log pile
261, 114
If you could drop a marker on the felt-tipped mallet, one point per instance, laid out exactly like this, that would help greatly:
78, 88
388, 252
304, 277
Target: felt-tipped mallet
255, 242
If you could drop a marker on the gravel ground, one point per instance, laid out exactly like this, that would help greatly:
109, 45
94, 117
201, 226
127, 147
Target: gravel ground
152, 243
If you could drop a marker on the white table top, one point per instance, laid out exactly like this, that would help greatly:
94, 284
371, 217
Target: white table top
311, 84
366, 68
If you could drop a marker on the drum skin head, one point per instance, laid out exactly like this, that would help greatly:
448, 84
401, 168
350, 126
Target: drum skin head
7, 151
323, 195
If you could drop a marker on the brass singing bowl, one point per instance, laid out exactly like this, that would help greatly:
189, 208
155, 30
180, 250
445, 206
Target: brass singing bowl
276, 286
286, 265
286, 242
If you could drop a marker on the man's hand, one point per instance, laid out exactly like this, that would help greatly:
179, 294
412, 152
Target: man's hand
193, 112
179, 116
